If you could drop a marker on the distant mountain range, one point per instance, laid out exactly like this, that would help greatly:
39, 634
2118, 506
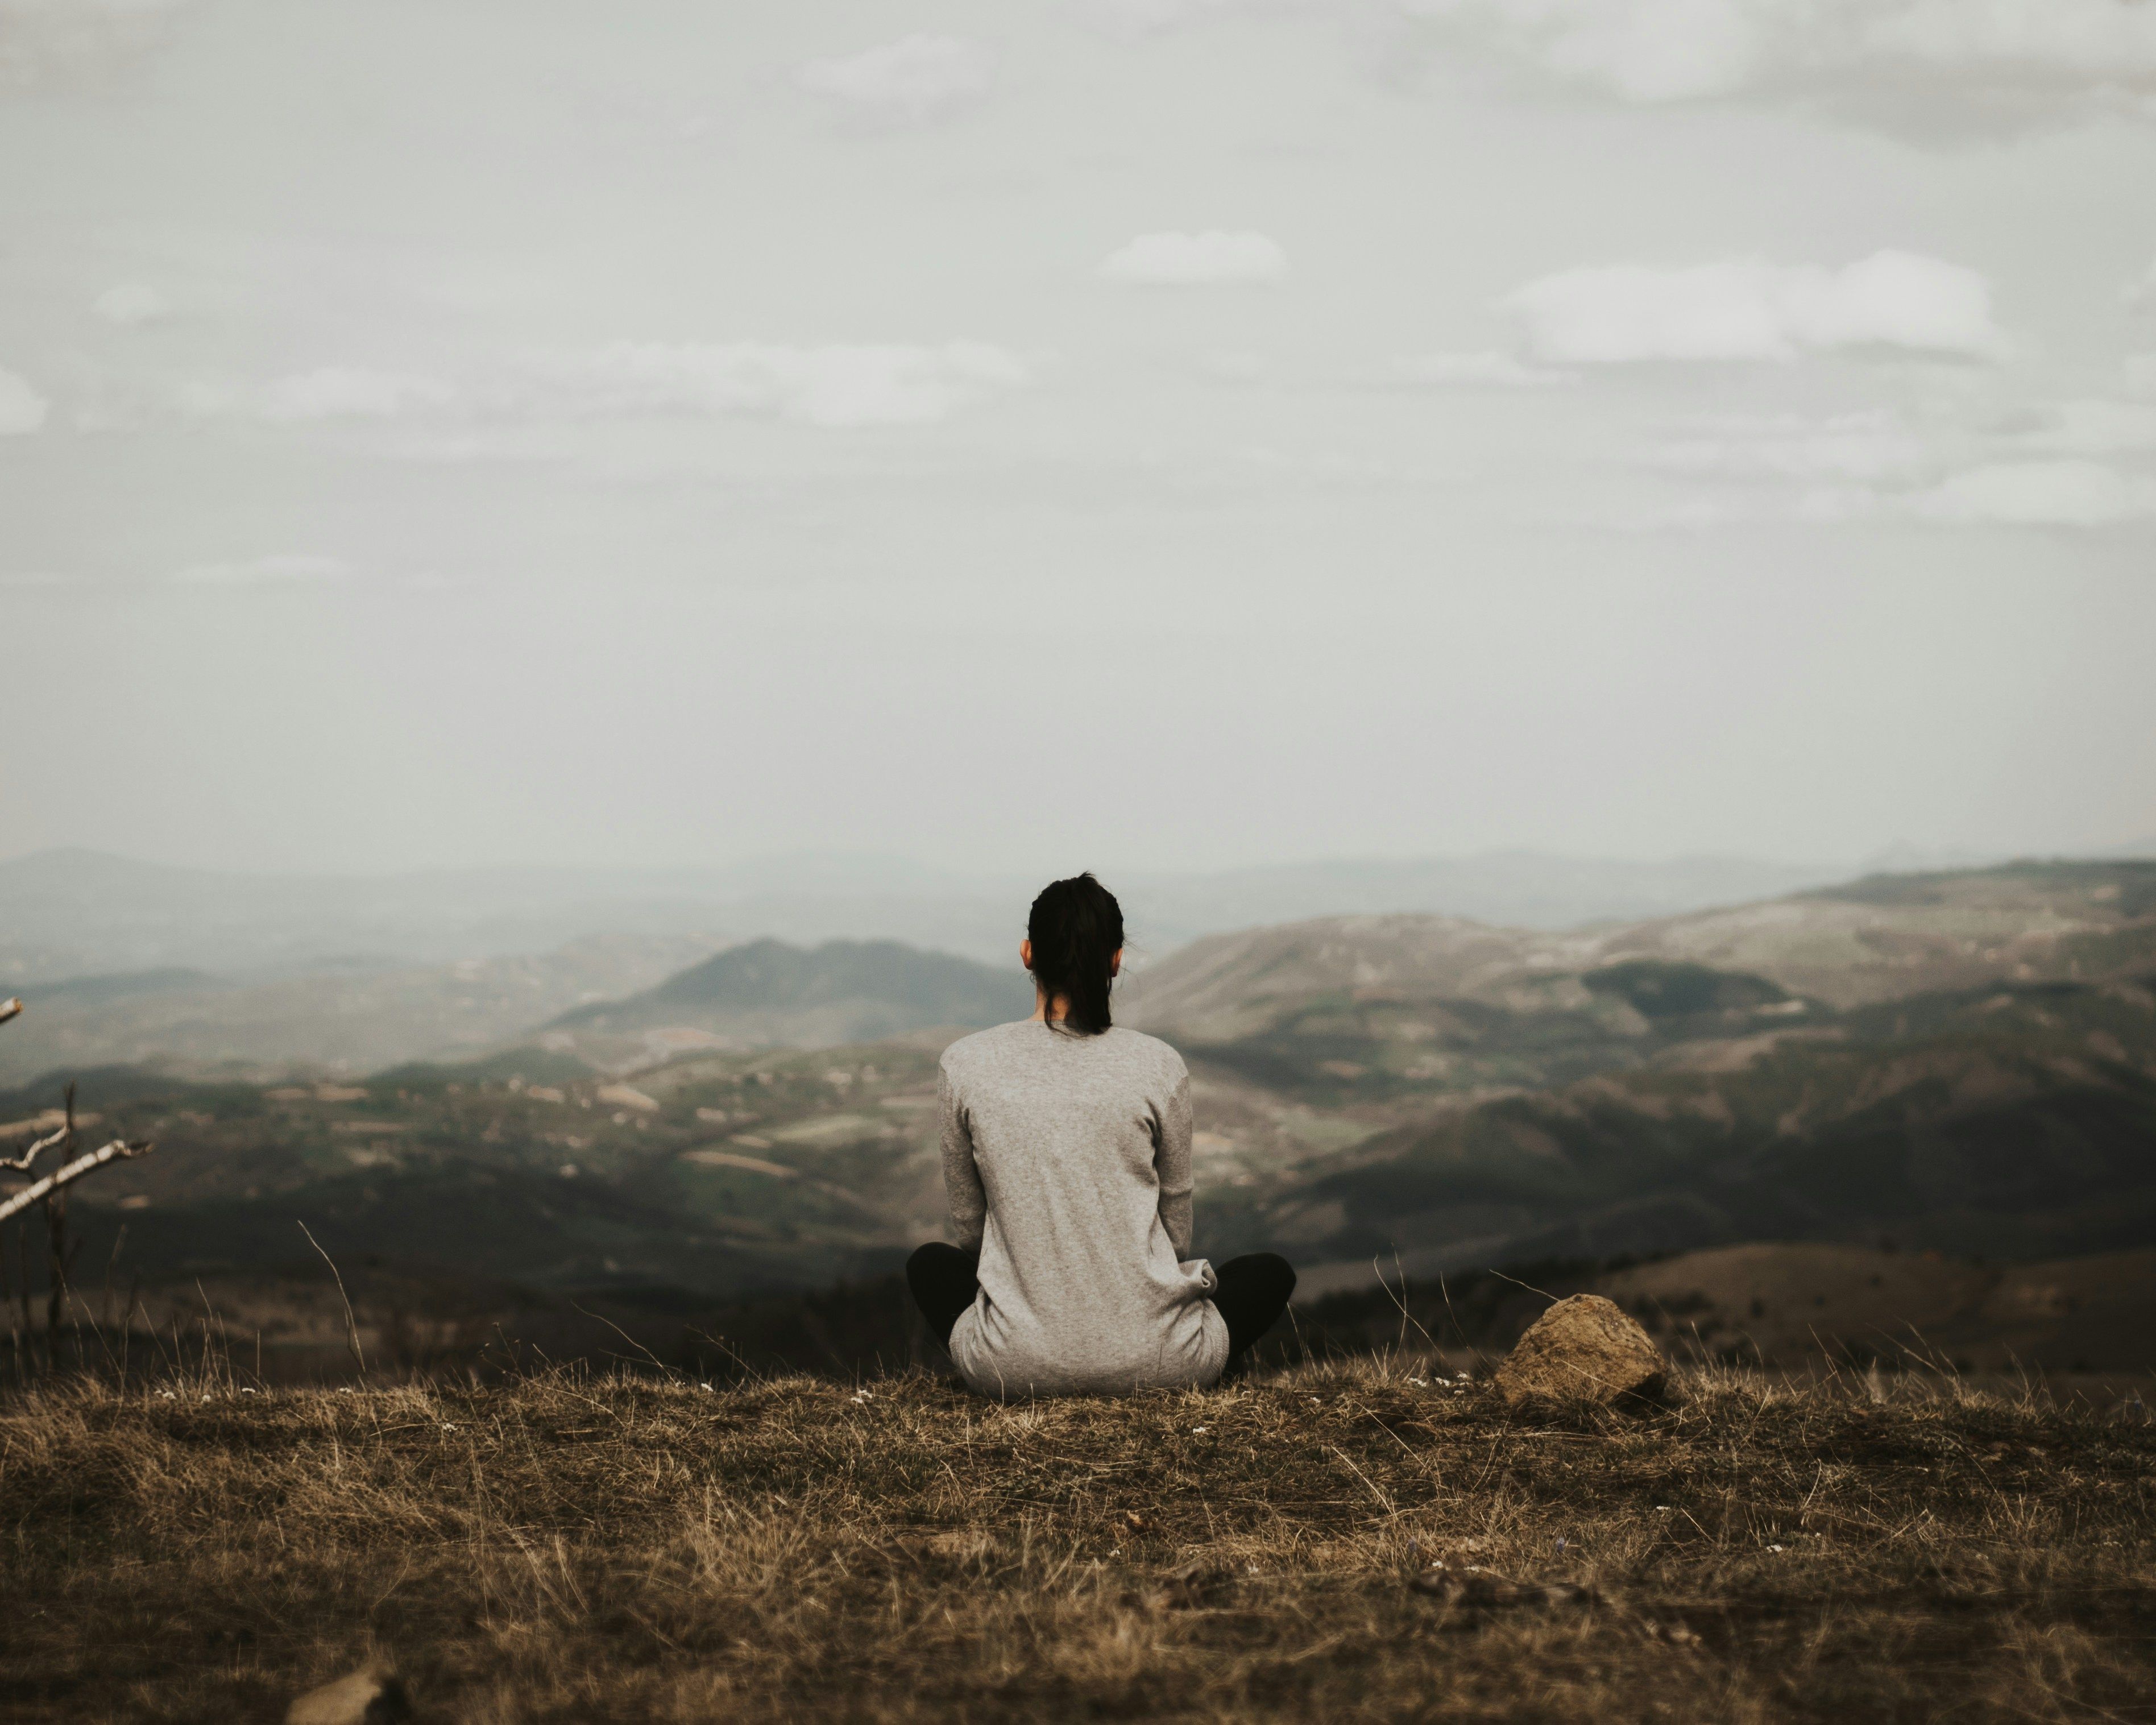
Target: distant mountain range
1848, 944
69, 913
1840, 944
617, 1003
1964, 1061
200, 972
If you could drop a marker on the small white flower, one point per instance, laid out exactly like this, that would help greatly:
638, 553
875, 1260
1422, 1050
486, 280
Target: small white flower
706, 1388
446, 1426
166, 1395
1778, 1547
1201, 1428
244, 1390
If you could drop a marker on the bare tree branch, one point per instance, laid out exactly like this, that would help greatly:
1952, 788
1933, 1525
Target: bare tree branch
21, 1164
65, 1136
118, 1149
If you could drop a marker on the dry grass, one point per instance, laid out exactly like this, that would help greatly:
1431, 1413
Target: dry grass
578, 1547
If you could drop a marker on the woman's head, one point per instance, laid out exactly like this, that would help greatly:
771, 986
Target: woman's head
1074, 946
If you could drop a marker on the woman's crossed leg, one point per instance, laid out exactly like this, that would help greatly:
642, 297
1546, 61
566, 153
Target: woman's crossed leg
1251, 1292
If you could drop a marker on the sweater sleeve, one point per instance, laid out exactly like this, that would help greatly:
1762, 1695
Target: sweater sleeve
961, 1179
1172, 1164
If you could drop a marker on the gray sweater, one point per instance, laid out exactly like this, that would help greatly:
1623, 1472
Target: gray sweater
1067, 1158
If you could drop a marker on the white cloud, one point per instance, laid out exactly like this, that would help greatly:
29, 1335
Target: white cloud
2143, 291
1479, 370
2039, 494
834, 385
1745, 309
21, 408
1210, 259
2140, 374
300, 568
915, 79
1681, 50
132, 302
350, 393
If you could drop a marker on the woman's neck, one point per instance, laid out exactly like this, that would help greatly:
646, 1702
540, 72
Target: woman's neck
1046, 1011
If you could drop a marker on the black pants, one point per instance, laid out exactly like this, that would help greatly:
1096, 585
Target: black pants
1252, 1294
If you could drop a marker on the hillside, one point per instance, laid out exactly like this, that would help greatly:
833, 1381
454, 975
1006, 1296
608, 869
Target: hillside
1966, 1061
767, 992
1889, 935
577, 1547
1380, 1011
471, 1188
2013, 1122
358, 1016
620, 1001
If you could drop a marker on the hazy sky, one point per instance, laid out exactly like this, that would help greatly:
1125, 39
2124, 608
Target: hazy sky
1136, 433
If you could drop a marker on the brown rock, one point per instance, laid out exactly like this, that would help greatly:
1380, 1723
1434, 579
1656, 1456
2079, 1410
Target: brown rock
1583, 1349
370, 1696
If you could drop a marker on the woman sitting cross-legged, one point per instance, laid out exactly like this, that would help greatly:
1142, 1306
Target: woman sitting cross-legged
1066, 1153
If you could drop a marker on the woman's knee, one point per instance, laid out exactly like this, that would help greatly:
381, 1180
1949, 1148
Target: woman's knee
1265, 1273
942, 1279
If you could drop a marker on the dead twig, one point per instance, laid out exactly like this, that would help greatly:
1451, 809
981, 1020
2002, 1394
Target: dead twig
21, 1164
350, 1323
118, 1150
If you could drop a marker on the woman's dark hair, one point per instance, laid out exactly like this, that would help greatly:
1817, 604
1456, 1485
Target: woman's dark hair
1076, 929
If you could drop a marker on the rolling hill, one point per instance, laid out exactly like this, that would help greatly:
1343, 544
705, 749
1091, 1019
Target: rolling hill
2008, 1122
354, 1017
767, 992
1374, 1006
1965, 1063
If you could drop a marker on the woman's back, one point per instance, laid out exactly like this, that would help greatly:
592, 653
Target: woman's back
1068, 1158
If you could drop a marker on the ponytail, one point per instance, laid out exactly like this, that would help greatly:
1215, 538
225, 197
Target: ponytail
1076, 929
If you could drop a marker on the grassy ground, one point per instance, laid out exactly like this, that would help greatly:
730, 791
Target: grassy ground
576, 1548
